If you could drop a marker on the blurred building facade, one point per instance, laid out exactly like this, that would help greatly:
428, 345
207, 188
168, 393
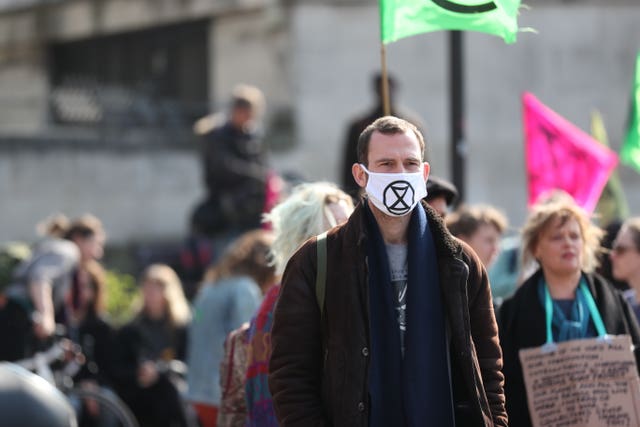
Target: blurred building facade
97, 97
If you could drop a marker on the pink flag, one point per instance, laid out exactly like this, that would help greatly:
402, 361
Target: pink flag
561, 156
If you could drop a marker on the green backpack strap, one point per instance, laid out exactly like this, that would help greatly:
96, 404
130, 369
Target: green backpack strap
321, 273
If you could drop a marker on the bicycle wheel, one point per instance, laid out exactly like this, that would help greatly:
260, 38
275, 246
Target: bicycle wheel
112, 411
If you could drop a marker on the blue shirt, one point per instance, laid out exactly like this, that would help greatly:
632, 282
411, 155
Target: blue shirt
218, 309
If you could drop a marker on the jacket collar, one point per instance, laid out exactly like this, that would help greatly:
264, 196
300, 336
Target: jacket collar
446, 245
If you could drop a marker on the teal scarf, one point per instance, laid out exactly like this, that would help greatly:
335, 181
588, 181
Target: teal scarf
582, 312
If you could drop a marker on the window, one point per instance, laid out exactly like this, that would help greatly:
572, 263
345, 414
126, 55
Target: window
149, 78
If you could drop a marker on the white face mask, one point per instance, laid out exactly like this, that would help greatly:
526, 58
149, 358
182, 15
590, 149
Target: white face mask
395, 194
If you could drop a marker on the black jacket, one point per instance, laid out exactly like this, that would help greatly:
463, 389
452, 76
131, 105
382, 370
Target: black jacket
98, 343
158, 405
235, 173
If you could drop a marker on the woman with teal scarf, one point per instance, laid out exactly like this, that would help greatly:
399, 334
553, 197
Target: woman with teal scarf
563, 300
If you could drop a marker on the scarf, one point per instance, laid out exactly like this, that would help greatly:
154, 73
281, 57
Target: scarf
573, 328
408, 392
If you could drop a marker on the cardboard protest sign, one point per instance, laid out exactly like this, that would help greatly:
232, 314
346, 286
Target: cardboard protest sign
583, 383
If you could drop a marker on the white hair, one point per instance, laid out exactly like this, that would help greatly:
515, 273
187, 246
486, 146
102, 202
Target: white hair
302, 215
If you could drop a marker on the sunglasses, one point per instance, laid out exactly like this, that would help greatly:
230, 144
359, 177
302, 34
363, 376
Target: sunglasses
621, 249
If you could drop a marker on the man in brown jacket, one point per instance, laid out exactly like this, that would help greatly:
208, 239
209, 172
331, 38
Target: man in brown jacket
407, 334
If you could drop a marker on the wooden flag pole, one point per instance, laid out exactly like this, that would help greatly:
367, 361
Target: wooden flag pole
386, 107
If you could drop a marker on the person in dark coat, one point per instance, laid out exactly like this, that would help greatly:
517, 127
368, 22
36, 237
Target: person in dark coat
16, 335
156, 335
441, 195
625, 260
358, 124
407, 331
560, 237
87, 327
234, 165
16, 330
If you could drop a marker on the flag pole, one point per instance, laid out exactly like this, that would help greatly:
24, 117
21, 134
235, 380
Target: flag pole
456, 88
386, 108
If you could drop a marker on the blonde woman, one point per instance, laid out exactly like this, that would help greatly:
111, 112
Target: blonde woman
157, 333
310, 210
559, 236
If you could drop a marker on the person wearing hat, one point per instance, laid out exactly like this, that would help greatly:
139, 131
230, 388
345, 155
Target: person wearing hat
441, 194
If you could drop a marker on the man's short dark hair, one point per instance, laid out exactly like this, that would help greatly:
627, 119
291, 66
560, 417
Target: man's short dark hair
387, 125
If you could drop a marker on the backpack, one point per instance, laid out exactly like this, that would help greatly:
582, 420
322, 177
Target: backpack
11, 255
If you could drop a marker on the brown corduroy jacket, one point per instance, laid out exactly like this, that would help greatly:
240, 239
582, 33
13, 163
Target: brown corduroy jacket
319, 364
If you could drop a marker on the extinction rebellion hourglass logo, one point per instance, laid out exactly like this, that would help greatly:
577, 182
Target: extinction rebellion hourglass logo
398, 197
464, 8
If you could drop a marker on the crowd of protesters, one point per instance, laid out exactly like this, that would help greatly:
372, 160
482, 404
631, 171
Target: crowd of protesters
265, 347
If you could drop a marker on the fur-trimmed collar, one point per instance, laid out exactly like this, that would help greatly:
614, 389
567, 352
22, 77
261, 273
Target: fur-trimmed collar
446, 244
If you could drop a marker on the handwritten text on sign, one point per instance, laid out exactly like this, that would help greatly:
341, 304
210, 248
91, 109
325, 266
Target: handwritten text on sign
583, 383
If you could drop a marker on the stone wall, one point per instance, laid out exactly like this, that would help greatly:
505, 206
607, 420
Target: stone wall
141, 194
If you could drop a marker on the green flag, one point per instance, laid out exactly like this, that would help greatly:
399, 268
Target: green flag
404, 18
630, 152
612, 204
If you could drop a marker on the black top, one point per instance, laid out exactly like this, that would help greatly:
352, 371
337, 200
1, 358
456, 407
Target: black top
141, 340
97, 340
16, 335
145, 339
